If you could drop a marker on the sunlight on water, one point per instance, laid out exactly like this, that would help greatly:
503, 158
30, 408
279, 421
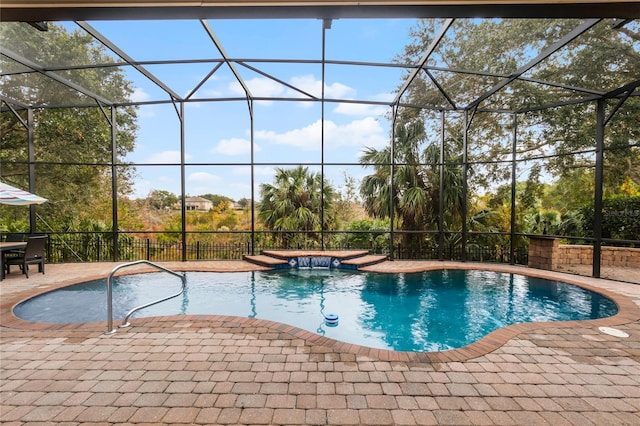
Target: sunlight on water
426, 311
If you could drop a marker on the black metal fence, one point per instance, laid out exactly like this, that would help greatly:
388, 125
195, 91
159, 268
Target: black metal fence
496, 254
87, 247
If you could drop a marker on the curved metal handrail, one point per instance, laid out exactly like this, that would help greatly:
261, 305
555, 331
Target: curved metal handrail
125, 321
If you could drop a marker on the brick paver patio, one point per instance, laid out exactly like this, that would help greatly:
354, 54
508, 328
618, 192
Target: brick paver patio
227, 370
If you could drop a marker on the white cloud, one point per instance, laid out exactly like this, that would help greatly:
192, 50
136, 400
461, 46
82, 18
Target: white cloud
203, 177
306, 83
257, 170
139, 95
338, 90
313, 86
166, 157
210, 89
365, 132
203, 183
306, 138
360, 109
234, 146
211, 93
384, 97
267, 88
259, 87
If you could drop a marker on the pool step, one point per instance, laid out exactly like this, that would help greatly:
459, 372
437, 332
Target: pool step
268, 261
345, 259
338, 254
367, 260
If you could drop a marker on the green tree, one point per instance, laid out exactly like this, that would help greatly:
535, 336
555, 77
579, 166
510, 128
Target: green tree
620, 217
346, 205
161, 199
244, 203
573, 189
561, 139
294, 202
415, 186
72, 145
604, 58
368, 234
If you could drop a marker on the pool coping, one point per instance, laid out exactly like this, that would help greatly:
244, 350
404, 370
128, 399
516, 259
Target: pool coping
628, 312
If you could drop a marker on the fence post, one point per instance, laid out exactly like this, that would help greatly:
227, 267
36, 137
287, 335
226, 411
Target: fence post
99, 249
198, 250
148, 249
48, 244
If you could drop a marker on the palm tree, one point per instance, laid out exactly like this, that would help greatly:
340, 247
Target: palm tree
416, 186
295, 202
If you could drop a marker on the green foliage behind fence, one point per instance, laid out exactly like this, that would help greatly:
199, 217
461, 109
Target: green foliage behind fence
620, 217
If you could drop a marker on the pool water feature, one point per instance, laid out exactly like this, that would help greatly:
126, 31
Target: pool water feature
424, 312
307, 262
314, 262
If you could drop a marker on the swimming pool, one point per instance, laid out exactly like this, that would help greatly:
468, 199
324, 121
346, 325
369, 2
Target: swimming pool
424, 312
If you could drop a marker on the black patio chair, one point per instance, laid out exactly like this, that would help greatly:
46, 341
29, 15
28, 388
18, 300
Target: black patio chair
33, 253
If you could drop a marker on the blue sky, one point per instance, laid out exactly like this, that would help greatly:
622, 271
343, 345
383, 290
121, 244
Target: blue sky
285, 131
219, 132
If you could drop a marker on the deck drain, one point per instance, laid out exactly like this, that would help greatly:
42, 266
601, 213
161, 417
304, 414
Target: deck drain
613, 332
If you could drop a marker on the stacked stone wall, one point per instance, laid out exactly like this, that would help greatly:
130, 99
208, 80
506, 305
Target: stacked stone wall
543, 253
547, 253
575, 255
624, 257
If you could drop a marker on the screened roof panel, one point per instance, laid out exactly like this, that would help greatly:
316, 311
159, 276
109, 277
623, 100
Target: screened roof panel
522, 95
366, 60
191, 76
458, 49
427, 90
366, 40
9, 66
365, 82
187, 40
498, 46
270, 39
25, 88
95, 80
45, 51
220, 85
144, 89
465, 88
427, 29
280, 80
591, 62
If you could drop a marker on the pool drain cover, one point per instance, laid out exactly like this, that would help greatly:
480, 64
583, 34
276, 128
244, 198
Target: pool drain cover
613, 332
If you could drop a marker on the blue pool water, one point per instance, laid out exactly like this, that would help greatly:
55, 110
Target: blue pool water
428, 311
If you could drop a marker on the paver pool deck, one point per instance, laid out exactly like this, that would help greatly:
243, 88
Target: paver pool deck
231, 370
